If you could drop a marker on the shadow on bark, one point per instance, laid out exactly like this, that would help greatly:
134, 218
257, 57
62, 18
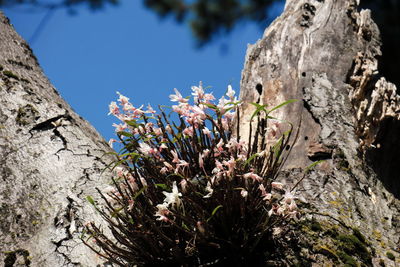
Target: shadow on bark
385, 158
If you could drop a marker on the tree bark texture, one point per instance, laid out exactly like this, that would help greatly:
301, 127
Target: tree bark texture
50, 160
322, 52
325, 53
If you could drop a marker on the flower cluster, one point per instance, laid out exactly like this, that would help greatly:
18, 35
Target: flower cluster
186, 185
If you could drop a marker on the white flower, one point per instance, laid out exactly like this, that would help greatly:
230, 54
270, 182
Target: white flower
276, 231
207, 131
173, 197
230, 93
244, 193
145, 149
209, 190
111, 142
198, 92
177, 97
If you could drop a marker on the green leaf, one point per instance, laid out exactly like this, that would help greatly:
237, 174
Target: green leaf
210, 106
250, 159
139, 193
125, 134
312, 165
258, 110
175, 174
276, 148
91, 200
214, 211
132, 123
162, 186
185, 226
116, 211
283, 104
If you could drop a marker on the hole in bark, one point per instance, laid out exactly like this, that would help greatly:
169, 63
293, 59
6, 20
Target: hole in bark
287, 147
259, 88
303, 74
306, 138
385, 158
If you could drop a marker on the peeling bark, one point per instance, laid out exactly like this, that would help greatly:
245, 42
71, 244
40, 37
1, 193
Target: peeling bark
322, 52
325, 53
50, 160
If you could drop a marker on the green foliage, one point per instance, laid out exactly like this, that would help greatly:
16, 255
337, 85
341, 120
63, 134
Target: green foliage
9, 74
192, 197
390, 256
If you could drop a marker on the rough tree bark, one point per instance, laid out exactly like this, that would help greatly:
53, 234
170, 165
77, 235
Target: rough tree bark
325, 53
322, 52
50, 160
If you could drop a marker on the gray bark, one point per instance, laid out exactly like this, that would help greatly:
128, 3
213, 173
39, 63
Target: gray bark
325, 53
50, 160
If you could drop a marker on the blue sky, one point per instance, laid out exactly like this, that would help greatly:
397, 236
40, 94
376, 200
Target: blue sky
90, 56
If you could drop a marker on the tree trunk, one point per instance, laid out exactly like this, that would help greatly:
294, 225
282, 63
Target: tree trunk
325, 53
50, 160
322, 52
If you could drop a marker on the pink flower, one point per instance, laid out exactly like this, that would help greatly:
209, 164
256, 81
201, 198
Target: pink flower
157, 131
130, 204
141, 129
150, 109
201, 161
219, 165
114, 109
253, 176
162, 212
230, 164
209, 97
123, 99
277, 185
188, 131
198, 92
199, 112
169, 166
219, 148
222, 104
205, 153
149, 126
183, 185
175, 155
164, 170
120, 171
120, 127
244, 193
146, 149
177, 97
163, 146
266, 196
